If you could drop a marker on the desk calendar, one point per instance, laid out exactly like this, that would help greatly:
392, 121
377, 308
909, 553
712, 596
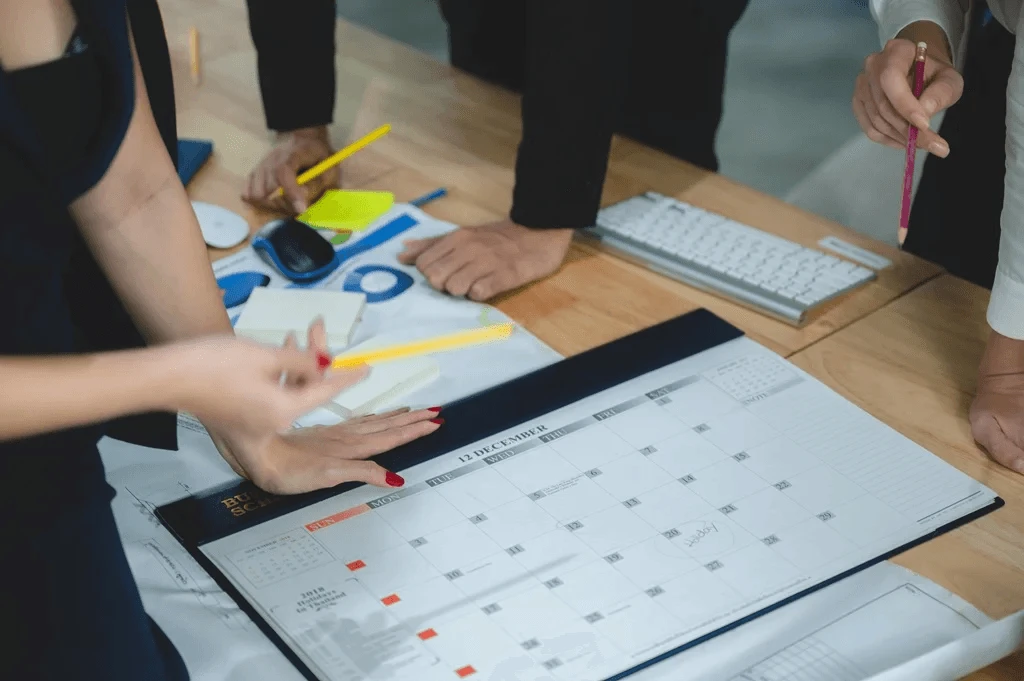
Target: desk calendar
585, 521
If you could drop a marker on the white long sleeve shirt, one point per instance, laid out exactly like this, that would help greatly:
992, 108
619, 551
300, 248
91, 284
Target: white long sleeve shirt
1006, 307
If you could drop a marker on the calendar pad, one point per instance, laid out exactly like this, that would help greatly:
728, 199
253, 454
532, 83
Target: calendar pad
584, 521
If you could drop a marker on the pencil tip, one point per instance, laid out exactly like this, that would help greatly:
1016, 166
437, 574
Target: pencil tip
901, 236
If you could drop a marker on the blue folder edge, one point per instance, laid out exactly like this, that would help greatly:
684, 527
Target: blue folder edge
203, 518
192, 154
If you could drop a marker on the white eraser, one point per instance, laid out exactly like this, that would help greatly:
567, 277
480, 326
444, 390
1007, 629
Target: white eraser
271, 314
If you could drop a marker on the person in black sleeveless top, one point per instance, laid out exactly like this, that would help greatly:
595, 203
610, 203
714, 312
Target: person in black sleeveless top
100, 255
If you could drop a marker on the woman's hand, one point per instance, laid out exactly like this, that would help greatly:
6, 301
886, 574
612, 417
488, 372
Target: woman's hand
306, 459
883, 99
236, 384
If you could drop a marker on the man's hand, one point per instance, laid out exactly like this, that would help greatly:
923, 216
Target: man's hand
294, 152
997, 414
482, 262
883, 101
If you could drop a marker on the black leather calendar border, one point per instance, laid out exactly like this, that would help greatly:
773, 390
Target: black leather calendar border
203, 518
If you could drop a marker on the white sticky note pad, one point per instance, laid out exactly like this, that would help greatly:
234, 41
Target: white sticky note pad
387, 384
271, 314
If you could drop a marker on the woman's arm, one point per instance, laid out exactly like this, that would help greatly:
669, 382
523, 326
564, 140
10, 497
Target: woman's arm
140, 227
54, 393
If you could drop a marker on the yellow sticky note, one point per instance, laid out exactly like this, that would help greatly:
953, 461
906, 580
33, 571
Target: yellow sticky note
340, 209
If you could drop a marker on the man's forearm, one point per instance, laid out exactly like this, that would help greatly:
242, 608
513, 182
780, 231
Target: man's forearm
573, 93
295, 58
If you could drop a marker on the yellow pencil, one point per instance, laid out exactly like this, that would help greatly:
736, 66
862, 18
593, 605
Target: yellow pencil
193, 47
453, 341
338, 157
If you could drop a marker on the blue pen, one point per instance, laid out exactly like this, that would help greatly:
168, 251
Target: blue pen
427, 198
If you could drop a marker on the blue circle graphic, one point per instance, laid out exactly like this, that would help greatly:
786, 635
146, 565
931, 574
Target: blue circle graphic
354, 283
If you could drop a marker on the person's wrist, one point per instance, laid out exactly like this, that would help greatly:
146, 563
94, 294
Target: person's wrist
931, 34
563, 235
165, 373
318, 133
1002, 355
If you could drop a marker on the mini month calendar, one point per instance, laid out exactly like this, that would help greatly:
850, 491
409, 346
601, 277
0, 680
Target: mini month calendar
585, 521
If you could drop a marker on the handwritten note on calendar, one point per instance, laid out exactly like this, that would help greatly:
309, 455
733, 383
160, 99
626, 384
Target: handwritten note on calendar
584, 544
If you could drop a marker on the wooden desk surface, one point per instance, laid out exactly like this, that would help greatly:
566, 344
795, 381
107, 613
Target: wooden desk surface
451, 130
912, 365
454, 131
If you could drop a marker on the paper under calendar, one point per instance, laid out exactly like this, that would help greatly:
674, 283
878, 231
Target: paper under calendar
601, 537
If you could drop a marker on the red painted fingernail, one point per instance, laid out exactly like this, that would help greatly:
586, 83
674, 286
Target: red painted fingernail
438, 420
394, 479
323, 361
434, 409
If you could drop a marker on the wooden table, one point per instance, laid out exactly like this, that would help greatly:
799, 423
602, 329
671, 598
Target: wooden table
912, 364
454, 131
451, 130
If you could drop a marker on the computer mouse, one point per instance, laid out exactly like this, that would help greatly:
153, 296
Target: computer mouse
238, 287
221, 227
296, 250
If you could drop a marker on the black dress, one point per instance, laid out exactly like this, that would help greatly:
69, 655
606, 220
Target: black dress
69, 607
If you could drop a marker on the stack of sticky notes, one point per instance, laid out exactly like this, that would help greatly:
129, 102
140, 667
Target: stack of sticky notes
387, 383
271, 314
340, 209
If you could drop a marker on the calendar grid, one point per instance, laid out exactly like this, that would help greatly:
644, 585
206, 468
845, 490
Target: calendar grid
633, 526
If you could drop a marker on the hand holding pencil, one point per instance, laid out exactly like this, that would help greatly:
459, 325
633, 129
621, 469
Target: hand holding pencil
884, 102
280, 182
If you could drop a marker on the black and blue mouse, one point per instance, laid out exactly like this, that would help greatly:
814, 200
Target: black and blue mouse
296, 250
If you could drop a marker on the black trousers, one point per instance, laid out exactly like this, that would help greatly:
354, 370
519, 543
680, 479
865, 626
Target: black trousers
676, 55
954, 220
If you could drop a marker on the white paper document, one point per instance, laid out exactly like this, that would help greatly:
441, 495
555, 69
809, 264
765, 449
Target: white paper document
876, 619
401, 306
963, 656
603, 535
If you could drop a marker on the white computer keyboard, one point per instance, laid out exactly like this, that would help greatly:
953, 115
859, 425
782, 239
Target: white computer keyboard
712, 252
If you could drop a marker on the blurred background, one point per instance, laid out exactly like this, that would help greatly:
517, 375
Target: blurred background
788, 129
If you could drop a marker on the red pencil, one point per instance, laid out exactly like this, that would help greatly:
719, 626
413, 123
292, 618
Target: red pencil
908, 172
